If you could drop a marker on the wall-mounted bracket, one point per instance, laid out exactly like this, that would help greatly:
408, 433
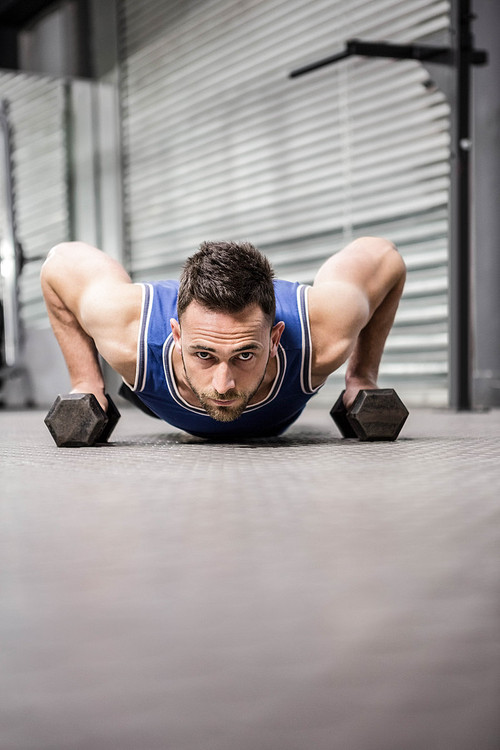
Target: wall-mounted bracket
421, 52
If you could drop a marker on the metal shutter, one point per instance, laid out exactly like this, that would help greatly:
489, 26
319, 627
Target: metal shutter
36, 116
220, 143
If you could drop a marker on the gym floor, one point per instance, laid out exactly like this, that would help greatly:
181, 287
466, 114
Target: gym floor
302, 593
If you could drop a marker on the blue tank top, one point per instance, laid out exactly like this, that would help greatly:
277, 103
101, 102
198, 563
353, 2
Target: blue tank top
155, 382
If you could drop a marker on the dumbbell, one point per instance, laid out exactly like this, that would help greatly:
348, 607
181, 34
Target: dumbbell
377, 414
78, 420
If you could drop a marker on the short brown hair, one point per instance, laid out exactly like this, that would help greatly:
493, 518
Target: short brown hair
227, 277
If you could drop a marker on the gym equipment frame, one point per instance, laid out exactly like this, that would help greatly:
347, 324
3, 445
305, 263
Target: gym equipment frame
459, 57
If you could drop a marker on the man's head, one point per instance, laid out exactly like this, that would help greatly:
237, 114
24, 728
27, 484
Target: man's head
225, 334
227, 277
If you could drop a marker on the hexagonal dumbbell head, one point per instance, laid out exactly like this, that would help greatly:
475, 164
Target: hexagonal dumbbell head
378, 414
76, 420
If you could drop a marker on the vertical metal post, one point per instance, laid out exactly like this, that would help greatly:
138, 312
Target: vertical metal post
8, 256
460, 261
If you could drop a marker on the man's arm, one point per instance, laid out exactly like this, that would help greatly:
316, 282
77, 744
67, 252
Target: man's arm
93, 307
352, 306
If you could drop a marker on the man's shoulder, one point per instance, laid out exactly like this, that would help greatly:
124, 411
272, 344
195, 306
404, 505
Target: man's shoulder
166, 284
288, 297
284, 287
162, 287
292, 309
159, 303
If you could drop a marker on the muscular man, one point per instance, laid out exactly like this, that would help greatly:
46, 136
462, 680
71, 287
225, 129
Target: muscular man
228, 351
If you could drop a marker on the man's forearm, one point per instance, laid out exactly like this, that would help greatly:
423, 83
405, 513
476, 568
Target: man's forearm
364, 362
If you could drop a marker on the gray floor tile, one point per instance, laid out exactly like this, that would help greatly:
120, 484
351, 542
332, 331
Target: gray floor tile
290, 594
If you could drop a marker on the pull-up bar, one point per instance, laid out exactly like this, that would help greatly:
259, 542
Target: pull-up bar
460, 57
420, 52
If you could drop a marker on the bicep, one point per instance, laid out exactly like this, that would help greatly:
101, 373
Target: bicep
371, 264
72, 269
98, 292
340, 308
338, 311
109, 313
348, 288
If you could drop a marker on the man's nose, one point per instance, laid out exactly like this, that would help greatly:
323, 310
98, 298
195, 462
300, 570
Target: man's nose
223, 379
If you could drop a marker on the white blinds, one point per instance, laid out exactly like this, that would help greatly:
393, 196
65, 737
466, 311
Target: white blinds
40, 182
220, 143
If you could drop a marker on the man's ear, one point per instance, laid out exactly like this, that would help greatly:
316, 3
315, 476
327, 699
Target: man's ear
276, 333
176, 331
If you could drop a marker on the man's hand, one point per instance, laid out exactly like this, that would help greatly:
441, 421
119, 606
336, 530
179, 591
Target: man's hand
354, 386
98, 392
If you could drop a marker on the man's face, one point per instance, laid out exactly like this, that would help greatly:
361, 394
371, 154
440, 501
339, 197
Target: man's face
225, 356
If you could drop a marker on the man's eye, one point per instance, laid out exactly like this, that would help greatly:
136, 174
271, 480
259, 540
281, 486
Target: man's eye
245, 356
203, 355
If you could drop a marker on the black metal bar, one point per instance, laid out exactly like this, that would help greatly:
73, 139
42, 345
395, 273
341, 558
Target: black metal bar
461, 345
421, 52
380, 49
399, 51
320, 64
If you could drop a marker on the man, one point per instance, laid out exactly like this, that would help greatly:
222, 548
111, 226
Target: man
228, 352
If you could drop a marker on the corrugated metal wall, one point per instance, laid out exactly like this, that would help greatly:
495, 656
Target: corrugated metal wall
220, 143
37, 119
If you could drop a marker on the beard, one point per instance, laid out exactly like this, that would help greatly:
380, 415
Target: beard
223, 413
217, 411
